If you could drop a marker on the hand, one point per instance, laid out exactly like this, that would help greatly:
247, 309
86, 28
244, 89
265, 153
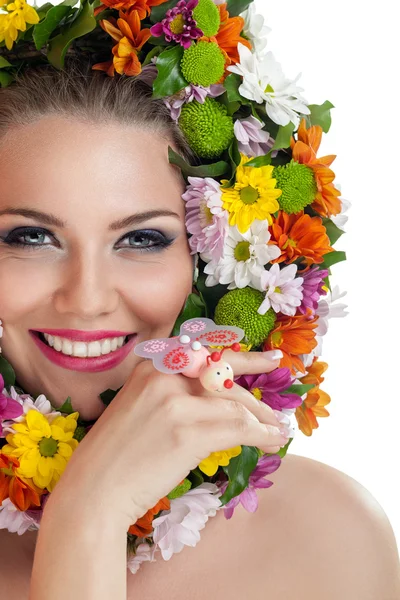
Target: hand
159, 427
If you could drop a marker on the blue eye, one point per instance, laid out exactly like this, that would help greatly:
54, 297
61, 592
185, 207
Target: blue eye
142, 241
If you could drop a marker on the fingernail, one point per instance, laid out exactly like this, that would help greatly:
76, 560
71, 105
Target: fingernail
272, 429
273, 354
283, 431
281, 417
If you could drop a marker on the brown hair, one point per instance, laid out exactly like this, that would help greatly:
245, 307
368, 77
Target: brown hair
93, 96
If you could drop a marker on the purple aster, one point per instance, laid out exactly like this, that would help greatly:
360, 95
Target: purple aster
252, 140
206, 219
189, 93
179, 24
9, 408
248, 498
268, 388
313, 281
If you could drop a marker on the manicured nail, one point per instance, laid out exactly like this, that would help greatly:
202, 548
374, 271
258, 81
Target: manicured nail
283, 431
280, 416
273, 354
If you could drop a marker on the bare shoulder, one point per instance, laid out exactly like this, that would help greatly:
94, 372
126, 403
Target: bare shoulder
16, 555
326, 535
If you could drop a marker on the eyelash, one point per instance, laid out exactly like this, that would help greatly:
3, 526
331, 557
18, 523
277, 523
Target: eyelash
150, 234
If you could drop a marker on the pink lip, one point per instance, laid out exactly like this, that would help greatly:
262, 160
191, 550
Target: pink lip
78, 335
87, 365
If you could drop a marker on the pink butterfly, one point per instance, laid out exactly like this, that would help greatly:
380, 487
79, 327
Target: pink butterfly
174, 355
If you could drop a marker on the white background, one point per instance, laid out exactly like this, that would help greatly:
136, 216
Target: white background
346, 52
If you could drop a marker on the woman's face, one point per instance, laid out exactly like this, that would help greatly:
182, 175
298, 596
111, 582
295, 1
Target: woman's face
88, 272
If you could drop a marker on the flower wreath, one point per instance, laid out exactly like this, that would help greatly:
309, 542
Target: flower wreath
262, 213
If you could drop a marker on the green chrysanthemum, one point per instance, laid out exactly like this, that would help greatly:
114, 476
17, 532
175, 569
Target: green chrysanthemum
180, 489
207, 18
239, 308
207, 127
80, 433
298, 186
203, 63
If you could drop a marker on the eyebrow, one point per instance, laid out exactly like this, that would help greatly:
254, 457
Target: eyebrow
49, 219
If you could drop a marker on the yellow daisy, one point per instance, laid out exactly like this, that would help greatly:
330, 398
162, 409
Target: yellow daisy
42, 448
20, 13
253, 196
210, 465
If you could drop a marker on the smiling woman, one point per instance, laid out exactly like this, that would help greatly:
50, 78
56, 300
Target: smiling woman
96, 262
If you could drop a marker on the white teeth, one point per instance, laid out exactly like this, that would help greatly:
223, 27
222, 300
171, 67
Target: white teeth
83, 350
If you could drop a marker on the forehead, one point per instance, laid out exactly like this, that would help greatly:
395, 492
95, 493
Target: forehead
71, 162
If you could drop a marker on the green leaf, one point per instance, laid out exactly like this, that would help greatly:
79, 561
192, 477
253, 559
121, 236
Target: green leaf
300, 389
234, 154
212, 170
320, 115
194, 307
231, 84
154, 52
332, 230
283, 136
66, 407
239, 470
169, 80
332, 258
45, 28
259, 161
235, 7
158, 12
211, 295
4, 63
195, 477
282, 451
108, 395
6, 369
5, 79
84, 23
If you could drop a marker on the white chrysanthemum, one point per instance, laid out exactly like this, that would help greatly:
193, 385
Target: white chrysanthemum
264, 81
243, 259
255, 30
341, 219
16, 521
144, 553
41, 404
283, 290
180, 526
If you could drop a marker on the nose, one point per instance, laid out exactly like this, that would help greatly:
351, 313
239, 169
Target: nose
228, 383
86, 286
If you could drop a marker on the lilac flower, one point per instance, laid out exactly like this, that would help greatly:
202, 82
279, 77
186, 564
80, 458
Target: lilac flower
253, 141
248, 498
180, 526
206, 220
9, 408
313, 282
16, 521
188, 94
144, 553
283, 290
27, 403
269, 388
179, 24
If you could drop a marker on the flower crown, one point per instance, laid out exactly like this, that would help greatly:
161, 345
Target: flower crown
262, 213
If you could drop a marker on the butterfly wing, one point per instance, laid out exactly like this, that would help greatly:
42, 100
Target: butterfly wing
168, 354
209, 334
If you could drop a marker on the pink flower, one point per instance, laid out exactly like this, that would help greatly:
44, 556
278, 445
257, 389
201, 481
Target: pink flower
16, 521
253, 141
313, 282
180, 526
284, 292
188, 94
179, 24
206, 219
248, 498
144, 553
9, 409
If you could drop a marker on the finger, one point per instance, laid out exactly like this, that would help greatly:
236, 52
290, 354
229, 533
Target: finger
216, 436
253, 363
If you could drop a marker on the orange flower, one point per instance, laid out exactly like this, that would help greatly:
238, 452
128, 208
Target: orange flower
299, 236
304, 151
315, 401
126, 31
22, 493
141, 6
143, 526
293, 336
